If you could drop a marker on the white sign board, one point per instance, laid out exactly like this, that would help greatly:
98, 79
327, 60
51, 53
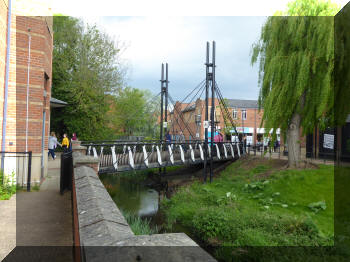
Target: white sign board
197, 134
328, 141
206, 124
165, 124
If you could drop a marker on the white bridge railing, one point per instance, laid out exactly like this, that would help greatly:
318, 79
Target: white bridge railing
125, 156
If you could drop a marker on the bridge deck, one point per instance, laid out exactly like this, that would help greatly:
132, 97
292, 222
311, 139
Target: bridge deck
121, 157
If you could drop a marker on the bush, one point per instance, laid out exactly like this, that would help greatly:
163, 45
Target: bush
138, 225
6, 189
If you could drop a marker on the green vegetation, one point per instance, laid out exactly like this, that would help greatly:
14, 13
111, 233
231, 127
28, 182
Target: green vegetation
135, 113
88, 74
139, 225
257, 202
143, 174
296, 58
36, 187
342, 211
6, 188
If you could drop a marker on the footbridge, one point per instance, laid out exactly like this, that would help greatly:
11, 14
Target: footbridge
119, 156
124, 156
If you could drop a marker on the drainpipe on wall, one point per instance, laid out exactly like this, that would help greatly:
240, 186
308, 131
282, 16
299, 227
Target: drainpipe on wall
29, 42
3, 141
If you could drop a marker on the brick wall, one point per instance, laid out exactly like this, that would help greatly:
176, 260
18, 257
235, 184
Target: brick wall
253, 118
3, 40
39, 78
39, 81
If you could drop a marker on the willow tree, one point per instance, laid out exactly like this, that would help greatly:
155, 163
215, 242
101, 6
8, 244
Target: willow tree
296, 63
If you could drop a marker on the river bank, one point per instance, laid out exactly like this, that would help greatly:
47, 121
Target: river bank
251, 205
257, 202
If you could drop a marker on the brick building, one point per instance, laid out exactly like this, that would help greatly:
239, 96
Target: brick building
244, 113
29, 34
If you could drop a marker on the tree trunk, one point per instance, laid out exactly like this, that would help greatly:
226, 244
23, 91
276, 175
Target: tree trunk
293, 138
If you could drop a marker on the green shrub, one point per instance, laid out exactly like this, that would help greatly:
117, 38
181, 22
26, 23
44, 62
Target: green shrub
140, 226
6, 188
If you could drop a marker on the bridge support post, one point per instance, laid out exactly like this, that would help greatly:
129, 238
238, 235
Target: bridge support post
212, 112
206, 114
210, 80
164, 100
166, 106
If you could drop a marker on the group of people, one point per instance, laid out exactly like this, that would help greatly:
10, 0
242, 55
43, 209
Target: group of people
181, 138
66, 144
177, 137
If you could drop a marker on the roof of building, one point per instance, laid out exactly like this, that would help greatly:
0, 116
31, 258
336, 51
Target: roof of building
189, 108
54, 102
240, 103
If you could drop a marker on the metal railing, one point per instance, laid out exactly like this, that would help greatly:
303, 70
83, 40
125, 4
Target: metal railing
123, 156
66, 172
263, 149
19, 164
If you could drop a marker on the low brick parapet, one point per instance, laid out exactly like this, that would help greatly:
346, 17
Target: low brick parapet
104, 234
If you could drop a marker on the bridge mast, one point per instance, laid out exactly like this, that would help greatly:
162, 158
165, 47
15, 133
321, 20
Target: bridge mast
212, 112
164, 100
210, 79
166, 104
206, 114
161, 104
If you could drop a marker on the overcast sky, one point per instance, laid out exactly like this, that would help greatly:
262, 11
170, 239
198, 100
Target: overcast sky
181, 42
180, 37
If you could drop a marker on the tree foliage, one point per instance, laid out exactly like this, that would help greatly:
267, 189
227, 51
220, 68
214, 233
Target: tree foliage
86, 68
342, 66
296, 65
133, 112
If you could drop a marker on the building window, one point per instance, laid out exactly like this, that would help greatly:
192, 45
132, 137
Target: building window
244, 114
234, 114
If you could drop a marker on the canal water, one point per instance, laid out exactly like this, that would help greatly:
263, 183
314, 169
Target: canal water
133, 195
140, 193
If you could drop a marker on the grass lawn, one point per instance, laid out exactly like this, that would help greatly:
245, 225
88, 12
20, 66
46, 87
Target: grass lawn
257, 202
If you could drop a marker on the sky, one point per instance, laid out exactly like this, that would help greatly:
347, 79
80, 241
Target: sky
175, 32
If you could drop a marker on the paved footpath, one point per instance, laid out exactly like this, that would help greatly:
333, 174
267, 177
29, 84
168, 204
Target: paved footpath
7, 226
44, 220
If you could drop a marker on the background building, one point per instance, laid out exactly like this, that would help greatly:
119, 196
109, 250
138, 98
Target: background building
29, 34
244, 113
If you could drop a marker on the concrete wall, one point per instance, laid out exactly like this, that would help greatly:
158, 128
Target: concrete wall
104, 234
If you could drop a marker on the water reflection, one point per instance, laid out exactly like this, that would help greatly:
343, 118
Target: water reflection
149, 203
132, 196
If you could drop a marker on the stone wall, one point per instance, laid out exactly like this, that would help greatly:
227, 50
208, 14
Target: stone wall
105, 235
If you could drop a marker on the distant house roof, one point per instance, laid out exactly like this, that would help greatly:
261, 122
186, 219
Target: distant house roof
240, 103
189, 108
57, 103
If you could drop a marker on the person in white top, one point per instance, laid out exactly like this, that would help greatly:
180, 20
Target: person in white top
52, 145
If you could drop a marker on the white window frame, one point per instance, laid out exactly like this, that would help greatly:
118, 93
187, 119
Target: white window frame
245, 117
234, 114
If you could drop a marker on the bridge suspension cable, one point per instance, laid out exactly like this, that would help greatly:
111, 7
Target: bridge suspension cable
180, 114
223, 105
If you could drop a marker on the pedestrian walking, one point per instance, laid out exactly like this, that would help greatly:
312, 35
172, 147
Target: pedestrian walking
74, 137
181, 137
65, 143
168, 137
52, 145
